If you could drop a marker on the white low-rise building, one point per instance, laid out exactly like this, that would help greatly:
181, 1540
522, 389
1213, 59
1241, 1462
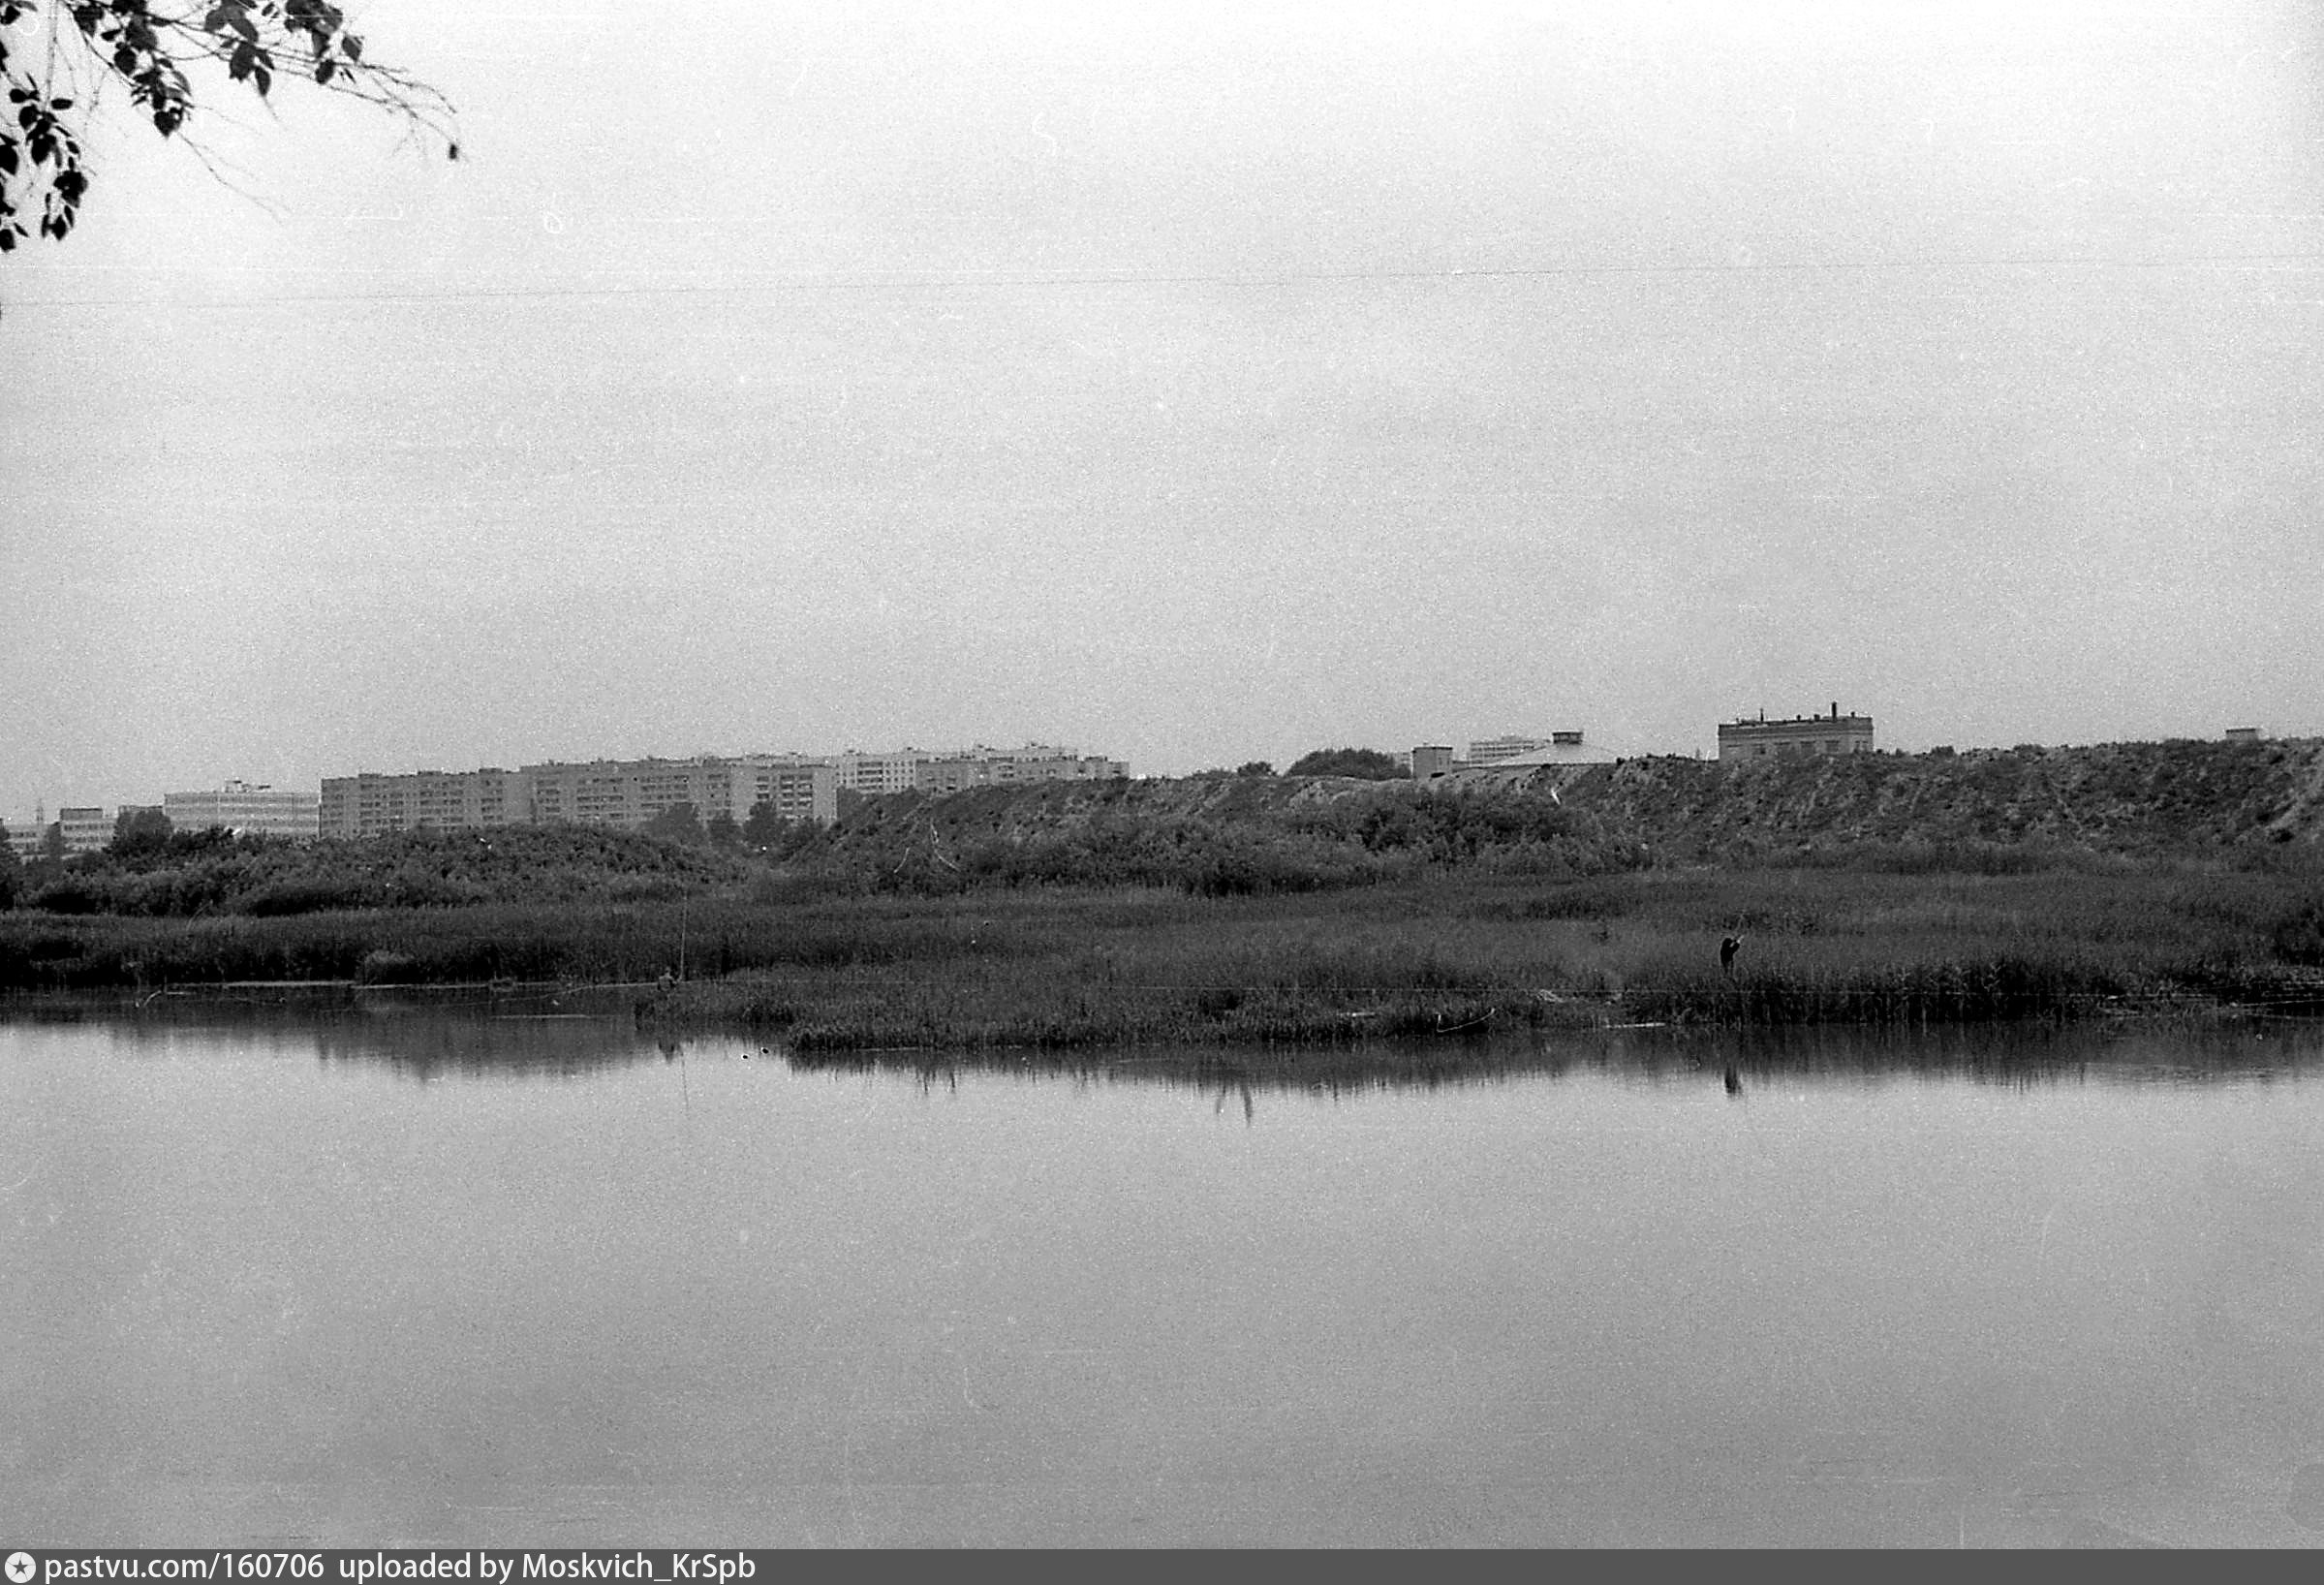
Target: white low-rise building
244, 809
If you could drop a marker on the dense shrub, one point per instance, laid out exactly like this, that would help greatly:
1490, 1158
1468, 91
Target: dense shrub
2298, 937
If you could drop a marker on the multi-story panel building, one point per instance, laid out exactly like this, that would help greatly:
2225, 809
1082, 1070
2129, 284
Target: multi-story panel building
952, 770
442, 801
623, 794
796, 787
1749, 737
982, 766
1059, 765
895, 772
85, 829
632, 792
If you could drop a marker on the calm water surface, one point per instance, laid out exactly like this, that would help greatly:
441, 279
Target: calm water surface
411, 1276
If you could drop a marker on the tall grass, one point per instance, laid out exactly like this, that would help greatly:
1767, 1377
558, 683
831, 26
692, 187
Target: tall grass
1443, 953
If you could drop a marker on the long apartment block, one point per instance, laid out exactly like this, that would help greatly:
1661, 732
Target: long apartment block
630, 793
951, 770
617, 792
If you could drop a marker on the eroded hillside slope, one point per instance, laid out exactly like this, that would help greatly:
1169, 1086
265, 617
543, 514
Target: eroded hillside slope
2172, 797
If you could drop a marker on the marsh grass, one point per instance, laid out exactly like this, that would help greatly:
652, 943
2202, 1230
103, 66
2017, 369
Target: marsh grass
1462, 952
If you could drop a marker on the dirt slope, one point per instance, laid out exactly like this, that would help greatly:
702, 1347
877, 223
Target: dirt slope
2112, 797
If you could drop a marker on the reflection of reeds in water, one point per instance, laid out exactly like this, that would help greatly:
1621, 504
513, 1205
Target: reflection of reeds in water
2014, 1056
469, 1032
542, 1033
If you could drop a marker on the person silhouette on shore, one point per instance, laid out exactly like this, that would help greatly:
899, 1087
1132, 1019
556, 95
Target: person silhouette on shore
1728, 947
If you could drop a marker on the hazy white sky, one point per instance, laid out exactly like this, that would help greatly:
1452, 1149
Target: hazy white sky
1186, 384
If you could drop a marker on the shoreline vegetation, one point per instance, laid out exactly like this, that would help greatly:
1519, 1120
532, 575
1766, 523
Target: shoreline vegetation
1252, 911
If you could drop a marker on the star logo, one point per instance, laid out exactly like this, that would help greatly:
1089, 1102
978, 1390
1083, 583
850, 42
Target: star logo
19, 1567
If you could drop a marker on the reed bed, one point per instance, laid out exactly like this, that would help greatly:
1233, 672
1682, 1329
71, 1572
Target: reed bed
1446, 953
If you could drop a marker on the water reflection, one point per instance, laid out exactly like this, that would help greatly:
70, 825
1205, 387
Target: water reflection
2009, 1056
469, 1032
1653, 1285
480, 1033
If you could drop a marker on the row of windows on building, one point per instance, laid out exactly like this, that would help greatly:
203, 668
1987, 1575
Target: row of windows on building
1744, 738
609, 793
633, 793
1757, 738
237, 806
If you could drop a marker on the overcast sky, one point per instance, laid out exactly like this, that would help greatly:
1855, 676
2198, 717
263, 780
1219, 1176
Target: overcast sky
1186, 384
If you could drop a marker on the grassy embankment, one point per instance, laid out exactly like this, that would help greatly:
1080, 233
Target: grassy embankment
1873, 889
1887, 939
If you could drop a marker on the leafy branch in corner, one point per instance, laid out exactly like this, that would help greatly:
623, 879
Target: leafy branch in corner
57, 56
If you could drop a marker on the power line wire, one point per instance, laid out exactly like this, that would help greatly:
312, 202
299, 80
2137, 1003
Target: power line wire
1242, 278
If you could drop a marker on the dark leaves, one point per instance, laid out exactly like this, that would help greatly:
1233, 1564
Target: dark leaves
147, 48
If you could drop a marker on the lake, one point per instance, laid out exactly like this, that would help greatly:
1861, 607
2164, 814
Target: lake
403, 1272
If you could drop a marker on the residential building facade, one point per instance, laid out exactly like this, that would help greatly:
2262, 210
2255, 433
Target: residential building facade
981, 767
1750, 738
369, 804
622, 793
897, 772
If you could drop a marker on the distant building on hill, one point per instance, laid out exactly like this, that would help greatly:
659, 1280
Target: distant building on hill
2243, 734
950, 770
1431, 760
895, 771
1559, 747
242, 809
1534, 767
1750, 738
1486, 751
982, 766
